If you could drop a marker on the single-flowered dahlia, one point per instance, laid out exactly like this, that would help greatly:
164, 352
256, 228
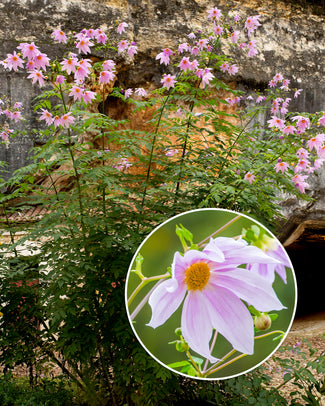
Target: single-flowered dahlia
212, 288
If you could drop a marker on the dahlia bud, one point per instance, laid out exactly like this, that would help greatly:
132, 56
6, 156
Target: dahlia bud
182, 346
262, 322
178, 331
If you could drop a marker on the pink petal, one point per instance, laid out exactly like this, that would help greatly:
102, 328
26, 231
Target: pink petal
265, 270
249, 254
196, 325
230, 317
281, 271
280, 254
214, 251
165, 300
250, 287
225, 244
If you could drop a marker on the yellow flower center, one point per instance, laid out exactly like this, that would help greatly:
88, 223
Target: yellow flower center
197, 276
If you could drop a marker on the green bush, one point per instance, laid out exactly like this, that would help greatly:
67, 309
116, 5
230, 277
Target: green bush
18, 392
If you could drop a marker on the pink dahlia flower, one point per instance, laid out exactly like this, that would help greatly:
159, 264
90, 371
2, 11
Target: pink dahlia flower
168, 81
59, 36
267, 270
121, 27
214, 13
14, 61
302, 123
164, 56
212, 286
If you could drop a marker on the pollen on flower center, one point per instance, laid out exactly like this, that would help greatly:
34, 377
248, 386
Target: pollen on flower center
197, 276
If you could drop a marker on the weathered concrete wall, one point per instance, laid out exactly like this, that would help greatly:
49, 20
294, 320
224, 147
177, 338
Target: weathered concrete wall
291, 40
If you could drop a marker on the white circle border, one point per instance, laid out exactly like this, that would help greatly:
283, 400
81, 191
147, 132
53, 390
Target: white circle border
135, 332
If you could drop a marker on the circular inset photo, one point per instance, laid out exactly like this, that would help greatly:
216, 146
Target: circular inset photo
211, 294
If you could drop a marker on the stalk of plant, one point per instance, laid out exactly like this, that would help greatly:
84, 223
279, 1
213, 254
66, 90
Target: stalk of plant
153, 143
222, 364
75, 169
12, 237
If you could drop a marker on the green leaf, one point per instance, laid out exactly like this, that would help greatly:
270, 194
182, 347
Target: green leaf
197, 360
179, 364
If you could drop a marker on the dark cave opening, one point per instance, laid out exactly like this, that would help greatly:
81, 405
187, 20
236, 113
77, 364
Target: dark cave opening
308, 263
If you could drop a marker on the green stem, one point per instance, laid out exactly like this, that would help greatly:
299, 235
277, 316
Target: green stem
211, 369
215, 336
217, 367
209, 372
77, 176
144, 282
268, 334
144, 301
58, 199
152, 150
12, 237
194, 363
103, 162
235, 142
203, 242
229, 151
186, 139
184, 150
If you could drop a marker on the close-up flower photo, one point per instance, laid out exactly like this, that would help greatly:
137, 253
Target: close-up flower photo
217, 302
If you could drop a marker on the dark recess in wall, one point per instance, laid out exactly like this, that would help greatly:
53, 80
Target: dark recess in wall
308, 264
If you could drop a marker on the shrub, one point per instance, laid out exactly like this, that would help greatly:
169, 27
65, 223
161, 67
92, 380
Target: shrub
120, 185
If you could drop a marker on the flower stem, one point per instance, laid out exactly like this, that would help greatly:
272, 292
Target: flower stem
219, 365
184, 147
280, 332
153, 143
12, 237
215, 335
144, 301
211, 371
203, 242
194, 363
235, 142
144, 282
103, 162
76, 172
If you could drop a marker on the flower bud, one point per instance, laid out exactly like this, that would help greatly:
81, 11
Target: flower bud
262, 322
181, 346
178, 331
